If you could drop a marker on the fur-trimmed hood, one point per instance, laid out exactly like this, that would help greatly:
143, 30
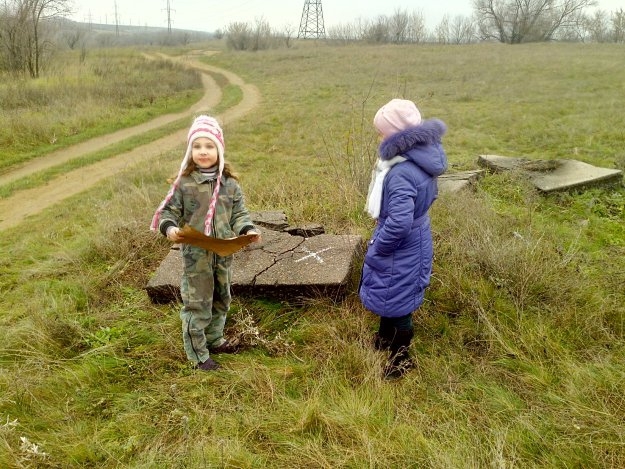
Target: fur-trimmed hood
420, 144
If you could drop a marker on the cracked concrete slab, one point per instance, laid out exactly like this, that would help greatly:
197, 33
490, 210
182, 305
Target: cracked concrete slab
555, 175
283, 265
291, 266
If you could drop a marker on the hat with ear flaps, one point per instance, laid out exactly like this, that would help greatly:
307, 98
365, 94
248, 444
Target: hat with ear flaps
203, 126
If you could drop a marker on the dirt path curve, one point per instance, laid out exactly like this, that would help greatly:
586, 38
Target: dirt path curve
14, 209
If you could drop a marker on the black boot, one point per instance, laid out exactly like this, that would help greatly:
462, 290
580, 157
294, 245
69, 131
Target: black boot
383, 338
399, 361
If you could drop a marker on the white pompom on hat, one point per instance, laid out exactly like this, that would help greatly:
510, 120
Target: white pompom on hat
395, 116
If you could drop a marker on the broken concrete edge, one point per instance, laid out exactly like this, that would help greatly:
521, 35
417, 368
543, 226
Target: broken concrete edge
500, 164
459, 181
277, 221
603, 182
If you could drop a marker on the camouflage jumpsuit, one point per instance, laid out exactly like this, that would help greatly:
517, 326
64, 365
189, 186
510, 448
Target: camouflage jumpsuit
205, 285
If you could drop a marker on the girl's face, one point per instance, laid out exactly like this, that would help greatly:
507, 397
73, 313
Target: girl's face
204, 152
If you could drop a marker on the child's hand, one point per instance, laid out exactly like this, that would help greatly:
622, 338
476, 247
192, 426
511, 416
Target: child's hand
255, 236
173, 234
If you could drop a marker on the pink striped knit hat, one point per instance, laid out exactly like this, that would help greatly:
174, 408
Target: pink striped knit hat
203, 126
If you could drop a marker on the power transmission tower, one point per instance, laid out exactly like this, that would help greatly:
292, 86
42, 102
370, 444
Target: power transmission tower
116, 21
169, 10
311, 24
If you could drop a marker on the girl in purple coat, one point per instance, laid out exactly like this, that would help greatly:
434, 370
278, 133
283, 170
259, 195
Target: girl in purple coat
399, 256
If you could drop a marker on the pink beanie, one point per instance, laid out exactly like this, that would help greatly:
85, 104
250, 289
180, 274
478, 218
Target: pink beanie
203, 126
395, 116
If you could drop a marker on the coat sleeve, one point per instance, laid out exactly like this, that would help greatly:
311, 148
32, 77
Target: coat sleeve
172, 211
401, 193
240, 220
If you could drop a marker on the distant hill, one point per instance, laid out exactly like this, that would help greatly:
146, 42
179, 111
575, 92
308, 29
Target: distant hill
99, 34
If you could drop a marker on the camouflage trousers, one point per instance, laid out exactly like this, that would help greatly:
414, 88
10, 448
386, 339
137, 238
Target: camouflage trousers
205, 291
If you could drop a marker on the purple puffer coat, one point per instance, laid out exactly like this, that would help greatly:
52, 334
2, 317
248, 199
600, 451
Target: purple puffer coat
398, 262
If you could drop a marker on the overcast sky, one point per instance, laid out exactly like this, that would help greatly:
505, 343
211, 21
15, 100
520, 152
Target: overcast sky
209, 15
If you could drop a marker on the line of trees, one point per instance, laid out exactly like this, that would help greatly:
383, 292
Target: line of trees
518, 21
253, 37
506, 21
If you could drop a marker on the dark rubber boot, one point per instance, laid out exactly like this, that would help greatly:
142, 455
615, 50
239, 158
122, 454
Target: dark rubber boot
383, 338
399, 361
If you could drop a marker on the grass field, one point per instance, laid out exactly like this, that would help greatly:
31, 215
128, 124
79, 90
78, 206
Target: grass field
520, 344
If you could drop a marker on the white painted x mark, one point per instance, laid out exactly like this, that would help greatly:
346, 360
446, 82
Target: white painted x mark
314, 255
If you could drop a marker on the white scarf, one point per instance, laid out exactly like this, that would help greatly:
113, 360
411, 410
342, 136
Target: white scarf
374, 197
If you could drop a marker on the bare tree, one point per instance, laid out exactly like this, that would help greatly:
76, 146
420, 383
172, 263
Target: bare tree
73, 37
417, 30
342, 33
288, 32
462, 30
242, 36
22, 32
398, 26
518, 21
263, 35
41, 10
443, 30
13, 23
378, 31
618, 25
238, 35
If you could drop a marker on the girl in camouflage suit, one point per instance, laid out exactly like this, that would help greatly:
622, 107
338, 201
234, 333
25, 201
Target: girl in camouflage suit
207, 196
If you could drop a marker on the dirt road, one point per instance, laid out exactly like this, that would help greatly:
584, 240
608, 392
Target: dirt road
22, 204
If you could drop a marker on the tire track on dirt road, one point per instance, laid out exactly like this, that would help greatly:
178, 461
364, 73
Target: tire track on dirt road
28, 202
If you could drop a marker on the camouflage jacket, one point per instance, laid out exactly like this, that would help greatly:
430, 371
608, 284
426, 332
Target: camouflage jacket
190, 201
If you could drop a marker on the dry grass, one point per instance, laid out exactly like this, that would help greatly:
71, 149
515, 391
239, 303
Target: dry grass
111, 89
519, 345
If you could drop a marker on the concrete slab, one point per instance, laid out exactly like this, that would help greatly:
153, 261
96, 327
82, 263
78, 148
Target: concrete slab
454, 182
283, 266
320, 265
555, 175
